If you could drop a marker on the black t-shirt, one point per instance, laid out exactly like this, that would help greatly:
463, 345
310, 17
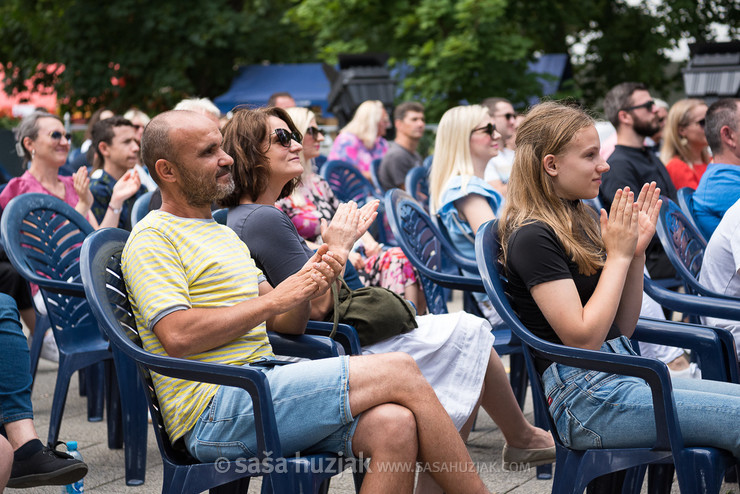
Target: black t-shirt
396, 164
537, 256
634, 167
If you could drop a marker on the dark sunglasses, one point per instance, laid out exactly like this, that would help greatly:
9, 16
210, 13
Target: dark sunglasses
57, 136
508, 116
648, 105
313, 132
488, 129
285, 136
702, 122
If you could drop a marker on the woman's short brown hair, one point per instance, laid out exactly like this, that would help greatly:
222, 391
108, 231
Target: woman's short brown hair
245, 137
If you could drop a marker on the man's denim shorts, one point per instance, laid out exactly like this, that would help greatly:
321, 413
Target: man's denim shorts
311, 401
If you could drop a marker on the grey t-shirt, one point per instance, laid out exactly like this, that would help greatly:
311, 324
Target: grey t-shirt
396, 164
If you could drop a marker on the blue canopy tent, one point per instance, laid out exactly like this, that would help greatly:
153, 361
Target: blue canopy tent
254, 84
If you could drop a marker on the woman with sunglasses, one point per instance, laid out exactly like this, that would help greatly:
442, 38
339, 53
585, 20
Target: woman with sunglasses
362, 140
577, 281
43, 144
684, 151
312, 201
466, 140
454, 351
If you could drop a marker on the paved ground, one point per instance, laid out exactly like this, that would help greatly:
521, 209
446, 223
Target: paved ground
106, 466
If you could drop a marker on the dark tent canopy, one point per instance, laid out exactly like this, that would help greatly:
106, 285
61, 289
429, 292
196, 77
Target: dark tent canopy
254, 84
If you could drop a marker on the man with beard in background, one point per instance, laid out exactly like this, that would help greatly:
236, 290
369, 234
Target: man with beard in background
633, 112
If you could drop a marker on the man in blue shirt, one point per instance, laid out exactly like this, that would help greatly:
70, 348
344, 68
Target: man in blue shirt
719, 187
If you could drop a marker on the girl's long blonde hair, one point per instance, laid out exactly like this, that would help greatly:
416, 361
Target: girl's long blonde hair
452, 149
365, 122
549, 128
678, 116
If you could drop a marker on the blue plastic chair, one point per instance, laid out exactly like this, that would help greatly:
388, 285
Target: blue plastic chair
43, 236
106, 290
348, 184
684, 245
426, 249
698, 469
427, 163
417, 185
319, 161
220, 215
141, 207
685, 196
375, 174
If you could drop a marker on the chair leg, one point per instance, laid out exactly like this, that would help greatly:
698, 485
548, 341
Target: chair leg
239, 486
518, 377
134, 413
113, 407
660, 478
95, 384
58, 402
634, 479
607, 484
37, 342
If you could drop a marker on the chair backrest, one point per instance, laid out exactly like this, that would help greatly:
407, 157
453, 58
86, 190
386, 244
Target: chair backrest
42, 237
348, 184
375, 174
683, 244
425, 248
109, 302
141, 207
220, 215
685, 197
427, 163
417, 184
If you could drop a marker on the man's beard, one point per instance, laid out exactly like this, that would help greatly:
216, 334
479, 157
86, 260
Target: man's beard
200, 192
645, 129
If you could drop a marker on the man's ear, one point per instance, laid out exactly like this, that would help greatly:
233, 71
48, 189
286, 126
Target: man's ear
549, 162
728, 137
104, 148
625, 118
165, 169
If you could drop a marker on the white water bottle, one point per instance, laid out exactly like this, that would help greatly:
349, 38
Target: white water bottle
75, 487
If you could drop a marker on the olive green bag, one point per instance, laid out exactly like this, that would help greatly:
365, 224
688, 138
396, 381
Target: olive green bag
376, 313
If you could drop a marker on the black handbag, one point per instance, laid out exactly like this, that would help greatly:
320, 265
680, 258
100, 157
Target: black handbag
376, 313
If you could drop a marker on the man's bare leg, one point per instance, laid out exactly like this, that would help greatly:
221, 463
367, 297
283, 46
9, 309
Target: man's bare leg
500, 403
387, 434
6, 462
20, 432
394, 378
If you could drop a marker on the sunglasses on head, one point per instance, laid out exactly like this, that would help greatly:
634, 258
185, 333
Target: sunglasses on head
487, 129
285, 136
313, 132
57, 136
648, 105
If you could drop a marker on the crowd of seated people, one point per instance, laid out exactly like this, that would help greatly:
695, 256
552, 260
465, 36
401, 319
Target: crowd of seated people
289, 239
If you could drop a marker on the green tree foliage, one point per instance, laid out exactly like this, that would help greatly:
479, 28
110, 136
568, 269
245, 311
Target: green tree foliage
450, 51
135, 52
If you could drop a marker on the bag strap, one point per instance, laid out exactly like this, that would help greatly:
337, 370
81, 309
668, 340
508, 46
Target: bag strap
335, 294
462, 230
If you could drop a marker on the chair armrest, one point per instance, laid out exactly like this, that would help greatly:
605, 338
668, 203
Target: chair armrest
63, 287
303, 345
252, 381
703, 341
346, 335
653, 371
694, 304
455, 281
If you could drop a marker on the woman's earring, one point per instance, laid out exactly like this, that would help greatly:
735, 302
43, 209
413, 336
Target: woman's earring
33, 154
684, 142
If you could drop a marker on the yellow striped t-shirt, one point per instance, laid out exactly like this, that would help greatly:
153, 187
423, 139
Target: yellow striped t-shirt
172, 263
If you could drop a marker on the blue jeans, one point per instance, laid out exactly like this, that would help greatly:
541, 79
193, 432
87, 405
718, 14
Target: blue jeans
311, 402
15, 365
599, 410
